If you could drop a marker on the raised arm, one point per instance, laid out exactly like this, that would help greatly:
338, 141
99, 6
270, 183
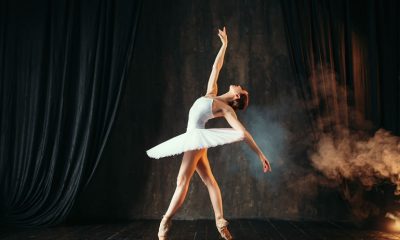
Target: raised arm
212, 87
231, 117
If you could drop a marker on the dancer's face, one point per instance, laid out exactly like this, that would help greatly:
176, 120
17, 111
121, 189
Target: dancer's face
237, 90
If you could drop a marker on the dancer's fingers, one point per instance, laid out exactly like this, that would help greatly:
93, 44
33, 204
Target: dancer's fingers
269, 167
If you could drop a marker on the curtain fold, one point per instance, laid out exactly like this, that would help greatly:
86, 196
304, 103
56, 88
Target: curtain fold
345, 55
63, 67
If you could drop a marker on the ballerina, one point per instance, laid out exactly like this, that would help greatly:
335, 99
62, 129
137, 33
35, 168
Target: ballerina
197, 139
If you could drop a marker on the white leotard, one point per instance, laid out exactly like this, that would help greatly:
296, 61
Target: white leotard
200, 113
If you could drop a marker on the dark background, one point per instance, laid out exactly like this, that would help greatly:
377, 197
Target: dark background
172, 62
88, 86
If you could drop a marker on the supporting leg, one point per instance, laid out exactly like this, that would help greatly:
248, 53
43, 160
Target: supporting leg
204, 170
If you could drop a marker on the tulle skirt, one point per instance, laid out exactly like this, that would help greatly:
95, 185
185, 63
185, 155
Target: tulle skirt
196, 138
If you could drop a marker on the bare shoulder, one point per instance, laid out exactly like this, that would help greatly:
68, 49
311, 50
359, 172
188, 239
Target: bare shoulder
222, 106
219, 107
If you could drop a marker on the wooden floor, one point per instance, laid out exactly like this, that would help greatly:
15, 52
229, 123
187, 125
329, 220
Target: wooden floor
272, 229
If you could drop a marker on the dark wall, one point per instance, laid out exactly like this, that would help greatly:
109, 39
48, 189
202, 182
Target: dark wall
176, 46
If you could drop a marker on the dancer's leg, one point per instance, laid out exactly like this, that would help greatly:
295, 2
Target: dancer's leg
188, 166
204, 170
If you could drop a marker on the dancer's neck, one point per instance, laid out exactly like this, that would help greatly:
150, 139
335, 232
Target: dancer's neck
226, 97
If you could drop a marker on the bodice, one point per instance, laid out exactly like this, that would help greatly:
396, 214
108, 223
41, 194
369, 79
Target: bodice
200, 113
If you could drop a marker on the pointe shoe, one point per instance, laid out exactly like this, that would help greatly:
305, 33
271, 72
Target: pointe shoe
222, 226
164, 228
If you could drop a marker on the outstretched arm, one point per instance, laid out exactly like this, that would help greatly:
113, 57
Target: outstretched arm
231, 117
212, 87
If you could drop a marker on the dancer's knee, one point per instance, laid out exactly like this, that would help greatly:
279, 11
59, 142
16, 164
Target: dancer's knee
209, 181
182, 181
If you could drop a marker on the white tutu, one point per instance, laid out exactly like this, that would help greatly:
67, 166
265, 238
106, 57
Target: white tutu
196, 138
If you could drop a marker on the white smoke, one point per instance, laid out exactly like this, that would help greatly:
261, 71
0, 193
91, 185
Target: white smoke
346, 156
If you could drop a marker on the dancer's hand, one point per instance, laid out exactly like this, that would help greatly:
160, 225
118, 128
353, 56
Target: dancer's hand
222, 35
265, 163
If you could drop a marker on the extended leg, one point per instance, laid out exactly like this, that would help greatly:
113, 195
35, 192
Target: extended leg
188, 166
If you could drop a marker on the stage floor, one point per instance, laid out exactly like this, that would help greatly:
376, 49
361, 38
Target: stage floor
271, 229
